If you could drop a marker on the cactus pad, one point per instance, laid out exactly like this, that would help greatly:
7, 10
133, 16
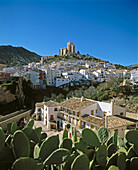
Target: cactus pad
21, 144
58, 157
90, 137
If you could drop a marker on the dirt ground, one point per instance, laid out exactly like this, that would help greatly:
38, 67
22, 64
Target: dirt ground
49, 132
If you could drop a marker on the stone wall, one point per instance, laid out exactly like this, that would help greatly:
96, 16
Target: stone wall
14, 117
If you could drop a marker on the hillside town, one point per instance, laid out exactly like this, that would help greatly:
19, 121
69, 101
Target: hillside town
66, 72
80, 112
68, 85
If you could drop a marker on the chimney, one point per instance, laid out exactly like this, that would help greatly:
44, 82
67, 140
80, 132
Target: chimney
112, 107
106, 122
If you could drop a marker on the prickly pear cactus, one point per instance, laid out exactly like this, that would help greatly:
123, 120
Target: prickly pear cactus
90, 153
2, 139
6, 158
131, 153
58, 157
27, 130
43, 136
111, 149
121, 161
9, 128
36, 135
65, 134
68, 126
112, 160
120, 142
101, 155
134, 163
21, 144
48, 146
14, 127
26, 163
75, 136
136, 149
69, 162
113, 168
67, 144
110, 140
81, 145
90, 137
103, 134
132, 136
81, 162
31, 123
115, 138
36, 151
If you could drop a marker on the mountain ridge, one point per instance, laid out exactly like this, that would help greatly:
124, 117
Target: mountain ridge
12, 56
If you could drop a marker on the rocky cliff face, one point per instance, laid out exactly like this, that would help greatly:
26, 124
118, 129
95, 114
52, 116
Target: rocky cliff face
17, 55
6, 96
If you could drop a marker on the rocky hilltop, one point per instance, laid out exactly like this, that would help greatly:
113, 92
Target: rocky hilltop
12, 56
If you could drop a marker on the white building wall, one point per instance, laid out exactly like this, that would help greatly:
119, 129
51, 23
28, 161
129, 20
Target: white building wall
48, 111
34, 78
88, 109
106, 107
118, 110
121, 131
51, 75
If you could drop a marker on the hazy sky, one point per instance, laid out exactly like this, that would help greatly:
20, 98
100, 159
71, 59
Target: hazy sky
106, 29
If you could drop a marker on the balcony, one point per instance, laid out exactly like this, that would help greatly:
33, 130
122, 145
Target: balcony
52, 121
60, 117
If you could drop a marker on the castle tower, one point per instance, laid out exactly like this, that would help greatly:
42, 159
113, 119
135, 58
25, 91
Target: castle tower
70, 47
61, 52
69, 50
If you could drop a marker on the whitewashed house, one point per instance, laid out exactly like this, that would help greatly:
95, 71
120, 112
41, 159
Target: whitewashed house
51, 110
100, 75
134, 76
87, 75
85, 113
37, 78
73, 76
51, 75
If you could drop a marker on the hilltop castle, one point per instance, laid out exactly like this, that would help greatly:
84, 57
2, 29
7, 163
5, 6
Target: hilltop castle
69, 50
63, 51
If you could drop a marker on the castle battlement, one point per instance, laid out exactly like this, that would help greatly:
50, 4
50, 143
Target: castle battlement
69, 50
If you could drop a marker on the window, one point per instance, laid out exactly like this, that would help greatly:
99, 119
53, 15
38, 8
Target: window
51, 117
105, 113
121, 113
78, 113
55, 109
92, 127
91, 112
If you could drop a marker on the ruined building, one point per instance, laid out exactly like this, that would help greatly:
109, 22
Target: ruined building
69, 50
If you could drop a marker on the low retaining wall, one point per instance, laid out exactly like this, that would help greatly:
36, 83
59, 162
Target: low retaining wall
11, 115
15, 118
